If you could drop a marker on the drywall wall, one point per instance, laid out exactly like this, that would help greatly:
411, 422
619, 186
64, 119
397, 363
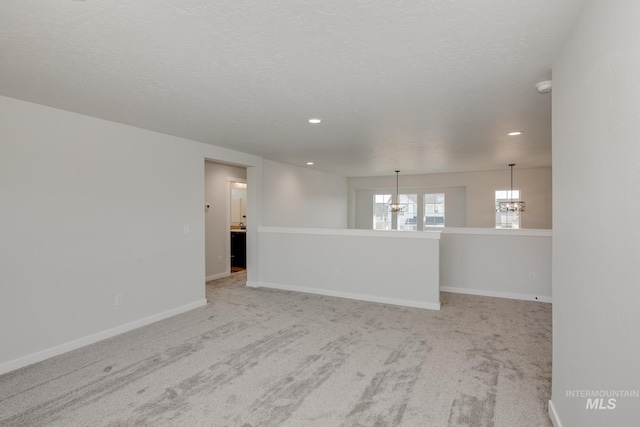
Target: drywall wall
596, 153
352, 264
500, 263
479, 202
294, 196
216, 187
92, 209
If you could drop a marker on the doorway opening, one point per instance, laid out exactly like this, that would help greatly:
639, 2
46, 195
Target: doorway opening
219, 178
238, 225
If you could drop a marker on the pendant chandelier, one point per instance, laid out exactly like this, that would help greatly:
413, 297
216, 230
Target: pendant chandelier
396, 207
511, 205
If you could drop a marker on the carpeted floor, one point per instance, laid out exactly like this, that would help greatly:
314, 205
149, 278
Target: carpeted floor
259, 357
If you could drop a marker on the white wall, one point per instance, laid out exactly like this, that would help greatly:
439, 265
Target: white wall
302, 197
501, 263
596, 156
217, 216
391, 267
91, 209
479, 206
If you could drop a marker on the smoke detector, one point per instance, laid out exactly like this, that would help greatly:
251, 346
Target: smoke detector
544, 87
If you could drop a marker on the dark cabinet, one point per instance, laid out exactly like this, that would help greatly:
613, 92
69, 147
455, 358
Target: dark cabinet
239, 249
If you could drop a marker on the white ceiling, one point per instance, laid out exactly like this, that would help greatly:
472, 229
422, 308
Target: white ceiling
416, 85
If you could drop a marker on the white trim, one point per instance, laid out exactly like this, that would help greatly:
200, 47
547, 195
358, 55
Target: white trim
81, 342
217, 276
555, 420
433, 235
234, 179
508, 295
524, 232
348, 295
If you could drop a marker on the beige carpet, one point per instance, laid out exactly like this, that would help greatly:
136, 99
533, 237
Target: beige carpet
258, 357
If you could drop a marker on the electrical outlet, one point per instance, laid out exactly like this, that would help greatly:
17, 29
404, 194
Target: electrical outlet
119, 299
186, 229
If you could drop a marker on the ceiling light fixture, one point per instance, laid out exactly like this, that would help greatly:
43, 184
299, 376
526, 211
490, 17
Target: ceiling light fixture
310, 163
396, 207
515, 133
315, 121
511, 205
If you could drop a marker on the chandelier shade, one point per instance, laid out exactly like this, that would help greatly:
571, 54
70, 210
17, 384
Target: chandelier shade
511, 205
396, 206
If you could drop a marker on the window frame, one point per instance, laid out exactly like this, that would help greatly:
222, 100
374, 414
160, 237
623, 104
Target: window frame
427, 226
386, 198
414, 202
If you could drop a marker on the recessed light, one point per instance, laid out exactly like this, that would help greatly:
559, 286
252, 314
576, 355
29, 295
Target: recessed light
310, 163
515, 133
315, 121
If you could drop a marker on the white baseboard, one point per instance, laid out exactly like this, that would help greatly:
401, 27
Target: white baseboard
555, 420
484, 293
39, 356
216, 276
348, 295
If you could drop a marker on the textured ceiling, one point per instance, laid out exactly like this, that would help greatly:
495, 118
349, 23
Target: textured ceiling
416, 85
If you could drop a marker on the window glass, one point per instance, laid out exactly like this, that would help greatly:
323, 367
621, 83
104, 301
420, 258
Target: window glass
433, 210
408, 217
382, 212
507, 219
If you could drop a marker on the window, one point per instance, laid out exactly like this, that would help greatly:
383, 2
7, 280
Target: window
507, 219
408, 219
383, 217
433, 210
421, 212
381, 212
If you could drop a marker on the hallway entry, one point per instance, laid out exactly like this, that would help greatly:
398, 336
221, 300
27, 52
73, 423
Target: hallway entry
225, 211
